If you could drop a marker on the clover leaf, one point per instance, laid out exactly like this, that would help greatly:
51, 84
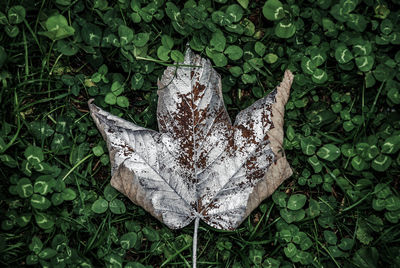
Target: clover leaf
57, 28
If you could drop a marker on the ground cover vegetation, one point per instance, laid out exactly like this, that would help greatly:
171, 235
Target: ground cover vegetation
341, 207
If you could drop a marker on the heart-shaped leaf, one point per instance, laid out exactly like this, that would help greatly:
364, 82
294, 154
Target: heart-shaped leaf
329, 152
57, 28
273, 10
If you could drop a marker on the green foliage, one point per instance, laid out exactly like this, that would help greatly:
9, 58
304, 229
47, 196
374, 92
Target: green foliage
57, 28
340, 208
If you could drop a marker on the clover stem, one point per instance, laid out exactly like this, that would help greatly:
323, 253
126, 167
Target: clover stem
196, 227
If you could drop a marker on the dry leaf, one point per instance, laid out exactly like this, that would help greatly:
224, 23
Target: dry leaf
199, 165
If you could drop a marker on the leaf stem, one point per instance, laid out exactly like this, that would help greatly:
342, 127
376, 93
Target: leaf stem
196, 227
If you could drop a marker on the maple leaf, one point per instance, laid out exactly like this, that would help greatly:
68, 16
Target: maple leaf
198, 165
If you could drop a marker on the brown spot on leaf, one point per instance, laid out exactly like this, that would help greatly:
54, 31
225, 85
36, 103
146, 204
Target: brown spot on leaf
198, 89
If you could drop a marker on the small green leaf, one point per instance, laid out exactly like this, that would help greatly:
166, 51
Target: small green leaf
271, 263
44, 221
329, 27
117, 206
392, 203
113, 260
308, 146
125, 34
318, 56
343, 54
305, 243
100, 206
362, 48
285, 29
270, 58
110, 193
258, 92
58, 28
167, 42
358, 163
330, 237
110, 98
163, 53
40, 202
314, 209
378, 204
91, 34
218, 41
249, 27
141, 39
383, 72
24, 188
234, 13
137, 81
34, 154
290, 250
296, 201
346, 244
57, 199
286, 235
307, 65
219, 59
47, 253
249, 78
314, 162
273, 10
363, 234
151, 234
279, 198
243, 3
382, 191
260, 48
122, 101
68, 194
381, 163
16, 14
36, 245
329, 152
177, 56
98, 150
391, 145
12, 30
40, 130
369, 80
104, 159
394, 95
348, 126
43, 185
117, 88
365, 63
236, 71
24, 219
319, 76
356, 22
234, 52
128, 240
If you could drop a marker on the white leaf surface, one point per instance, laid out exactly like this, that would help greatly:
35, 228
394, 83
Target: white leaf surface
198, 165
